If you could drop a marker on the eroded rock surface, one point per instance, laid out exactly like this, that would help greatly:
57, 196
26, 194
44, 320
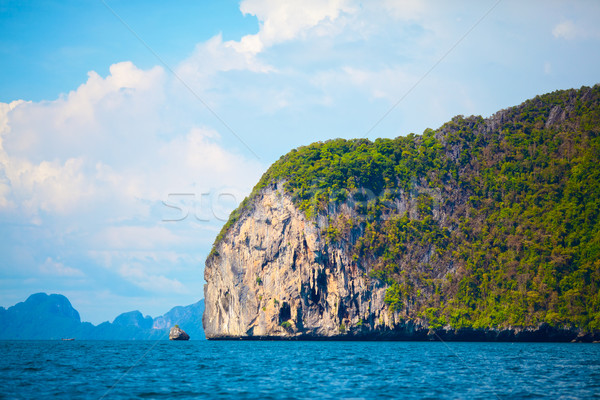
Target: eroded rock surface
274, 275
177, 333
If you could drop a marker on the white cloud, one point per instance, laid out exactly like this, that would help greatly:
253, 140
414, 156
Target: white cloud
214, 56
282, 21
4, 110
58, 269
388, 83
136, 274
77, 124
101, 147
51, 150
49, 186
565, 29
406, 9
136, 238
91, 169
571, 30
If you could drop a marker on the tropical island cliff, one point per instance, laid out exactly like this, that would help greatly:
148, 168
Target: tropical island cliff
483, 229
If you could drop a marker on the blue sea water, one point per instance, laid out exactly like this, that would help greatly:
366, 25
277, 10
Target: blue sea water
299, 370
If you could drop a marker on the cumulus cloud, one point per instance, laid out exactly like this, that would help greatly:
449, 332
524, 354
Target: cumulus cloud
198, 153
279, 22
90, 170
77, 124
102, 142
282, 21
51, 151
214, 56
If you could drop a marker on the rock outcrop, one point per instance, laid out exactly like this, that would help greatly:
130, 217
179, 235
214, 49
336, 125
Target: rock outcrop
273, 275
189, 318
176, 333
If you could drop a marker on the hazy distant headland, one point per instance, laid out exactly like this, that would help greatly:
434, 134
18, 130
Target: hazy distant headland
44, 316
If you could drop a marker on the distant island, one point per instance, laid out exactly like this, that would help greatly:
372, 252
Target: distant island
483, 229
46, 317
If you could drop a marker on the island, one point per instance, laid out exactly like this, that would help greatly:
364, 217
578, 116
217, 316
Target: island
482, 229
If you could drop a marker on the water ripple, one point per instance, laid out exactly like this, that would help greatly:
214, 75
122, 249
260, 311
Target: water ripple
298, 370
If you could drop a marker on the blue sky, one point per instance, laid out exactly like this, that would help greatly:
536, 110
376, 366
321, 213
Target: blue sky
130, 129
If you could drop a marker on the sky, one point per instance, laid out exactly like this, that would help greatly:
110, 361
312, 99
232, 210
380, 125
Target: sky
130, 129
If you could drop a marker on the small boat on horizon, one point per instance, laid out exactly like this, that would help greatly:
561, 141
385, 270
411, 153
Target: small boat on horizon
67, 339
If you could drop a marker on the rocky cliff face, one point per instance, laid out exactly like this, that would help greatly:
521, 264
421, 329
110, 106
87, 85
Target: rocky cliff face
274, 274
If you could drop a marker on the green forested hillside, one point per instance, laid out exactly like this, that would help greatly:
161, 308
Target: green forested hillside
507, 228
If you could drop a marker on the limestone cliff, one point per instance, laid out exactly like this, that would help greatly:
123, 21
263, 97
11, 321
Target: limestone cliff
274, 274
468, 232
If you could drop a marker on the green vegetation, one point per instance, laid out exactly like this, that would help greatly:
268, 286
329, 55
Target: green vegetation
503, 225
393, 296
286, 325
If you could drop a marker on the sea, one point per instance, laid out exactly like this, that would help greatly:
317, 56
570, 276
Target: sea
297, 370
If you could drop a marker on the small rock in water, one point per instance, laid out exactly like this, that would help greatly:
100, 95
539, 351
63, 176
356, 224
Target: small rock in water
177, 333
